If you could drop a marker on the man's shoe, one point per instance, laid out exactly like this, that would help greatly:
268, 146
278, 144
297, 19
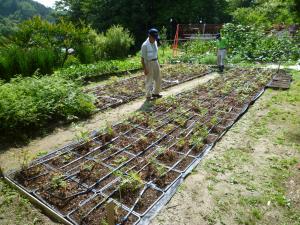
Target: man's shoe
220, 69
157, 96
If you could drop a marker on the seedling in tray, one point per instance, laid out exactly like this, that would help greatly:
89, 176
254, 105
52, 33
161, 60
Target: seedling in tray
167, 156
119, 161
91, 172
58, 182
24, 159
182, 145
139, 118
197, 142
153, 170
108, 133
128, 184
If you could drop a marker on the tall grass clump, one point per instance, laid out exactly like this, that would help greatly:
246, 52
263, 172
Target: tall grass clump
16, 60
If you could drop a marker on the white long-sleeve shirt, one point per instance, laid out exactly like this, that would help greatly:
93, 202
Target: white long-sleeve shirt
149, 50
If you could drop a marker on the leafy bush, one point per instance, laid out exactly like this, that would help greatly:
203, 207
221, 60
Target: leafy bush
33, 101
253, 44
71, 61
116, 42
39, 44
210, 59
80, 72
266, 14
199, 47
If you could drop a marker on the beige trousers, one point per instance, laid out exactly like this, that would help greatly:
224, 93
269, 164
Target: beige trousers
153, 76
221, 56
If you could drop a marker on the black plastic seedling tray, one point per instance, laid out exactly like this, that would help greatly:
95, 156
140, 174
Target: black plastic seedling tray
131, 163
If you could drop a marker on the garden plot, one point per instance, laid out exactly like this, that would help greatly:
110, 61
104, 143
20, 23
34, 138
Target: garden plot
118, 92
137, 163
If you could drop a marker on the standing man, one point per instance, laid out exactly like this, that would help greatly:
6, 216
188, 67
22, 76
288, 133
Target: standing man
150, 64
222, 46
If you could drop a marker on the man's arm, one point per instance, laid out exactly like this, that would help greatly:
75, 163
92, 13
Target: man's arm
144, 55
144, 66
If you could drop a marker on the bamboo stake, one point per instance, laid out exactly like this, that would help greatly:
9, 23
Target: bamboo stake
110, 212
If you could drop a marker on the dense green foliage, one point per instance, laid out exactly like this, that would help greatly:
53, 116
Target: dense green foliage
115, 43
41, 45
249, 43
33, 101
246, 43
139, 15
13, 12
17, 60
80, 72
266, 13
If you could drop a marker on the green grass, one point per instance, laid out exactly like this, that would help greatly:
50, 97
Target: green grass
259, 188
16, 209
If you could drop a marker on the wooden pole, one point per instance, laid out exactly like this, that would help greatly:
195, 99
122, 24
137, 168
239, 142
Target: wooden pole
110, 212
1, 173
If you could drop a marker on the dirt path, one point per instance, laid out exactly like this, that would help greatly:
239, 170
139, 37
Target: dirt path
250, 177
60, 137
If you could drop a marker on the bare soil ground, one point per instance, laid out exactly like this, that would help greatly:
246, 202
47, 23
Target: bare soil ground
251, 176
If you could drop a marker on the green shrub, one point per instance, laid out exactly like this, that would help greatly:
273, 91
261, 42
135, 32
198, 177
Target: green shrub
80, 72
253, 44
210, 59
199, 47
117, 42
33, 101
71, 61
86, 54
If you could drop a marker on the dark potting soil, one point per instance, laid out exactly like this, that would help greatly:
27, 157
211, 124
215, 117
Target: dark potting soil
169, 158
34, 177
82, 211
197, 150
118, 159
105, 182
62, 198
183, 149
129, 197
138, 146
166, 141
89, 174
150, 172
211, 138
148, 198
135, 132
184, 164
98, 216
122, 128
103, 155
166, 179
62, 160
85, 148
134, 165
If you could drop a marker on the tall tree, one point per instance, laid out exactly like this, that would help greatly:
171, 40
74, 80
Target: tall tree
140, 15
